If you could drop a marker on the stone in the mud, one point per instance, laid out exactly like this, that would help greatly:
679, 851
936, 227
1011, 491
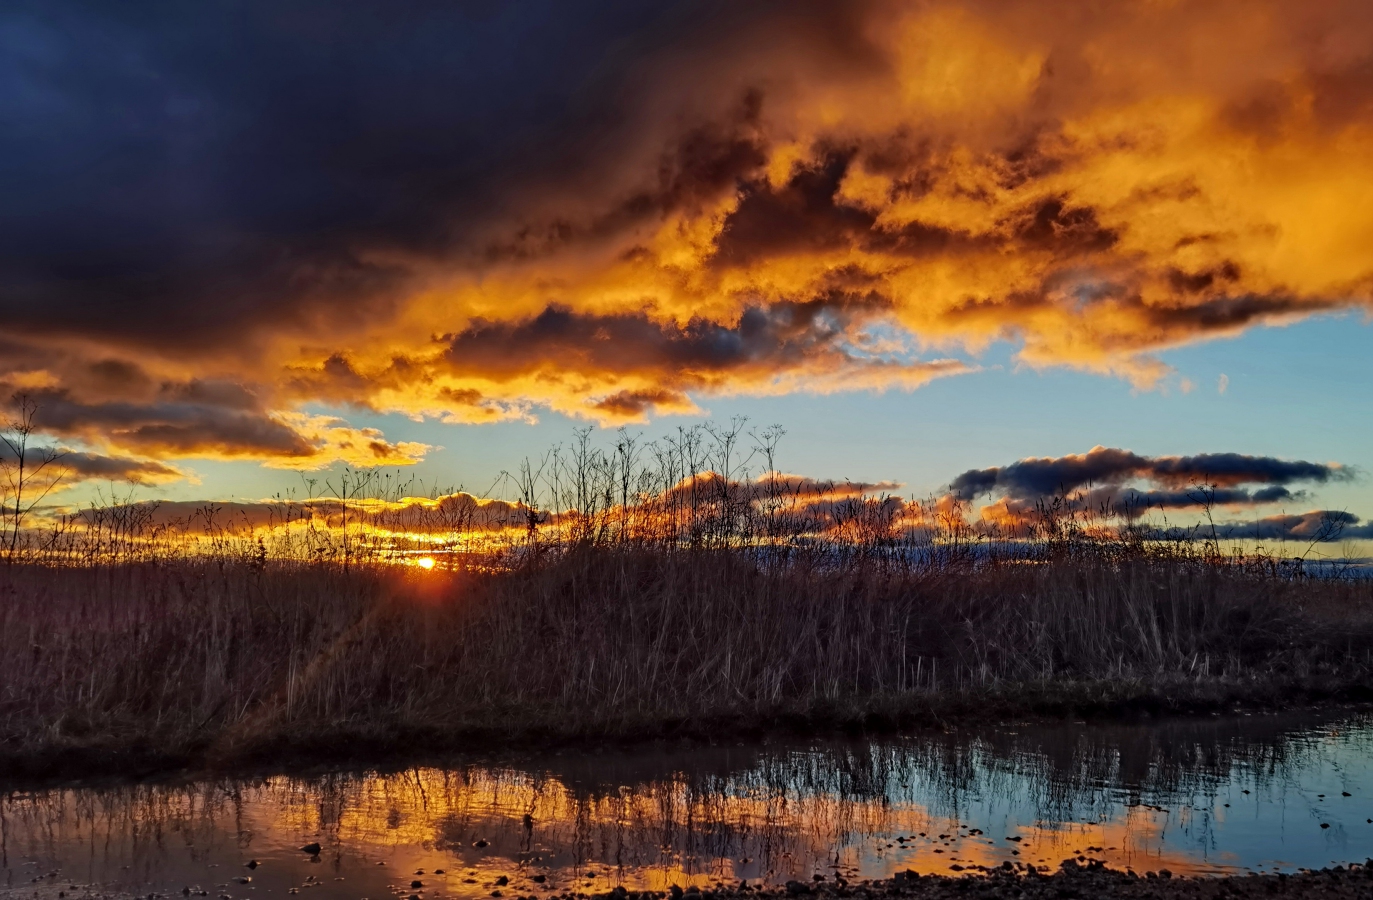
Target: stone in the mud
311, 848
796, 888
480, 844
502, 881
417, 883
252, 864
539, 879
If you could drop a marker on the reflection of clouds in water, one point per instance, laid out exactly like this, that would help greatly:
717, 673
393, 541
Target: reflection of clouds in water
1147, 796
1135, 838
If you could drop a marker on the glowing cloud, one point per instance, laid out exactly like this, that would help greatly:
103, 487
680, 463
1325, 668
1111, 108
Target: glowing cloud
789, 197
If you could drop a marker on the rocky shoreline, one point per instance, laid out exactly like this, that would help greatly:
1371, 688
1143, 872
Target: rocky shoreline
1071, 881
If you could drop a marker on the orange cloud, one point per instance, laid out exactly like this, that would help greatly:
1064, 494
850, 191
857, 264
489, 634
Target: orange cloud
209, 420
1097, 185
857, 202
332, 440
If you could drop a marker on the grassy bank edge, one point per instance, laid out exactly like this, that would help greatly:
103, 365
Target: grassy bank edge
397, 742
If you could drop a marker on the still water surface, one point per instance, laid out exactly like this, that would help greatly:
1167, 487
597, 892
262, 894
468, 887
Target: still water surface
1212, 796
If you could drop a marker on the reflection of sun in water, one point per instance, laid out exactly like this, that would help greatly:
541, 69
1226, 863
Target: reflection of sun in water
425, 562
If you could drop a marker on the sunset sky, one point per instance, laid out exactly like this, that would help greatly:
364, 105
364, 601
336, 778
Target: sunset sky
244, 241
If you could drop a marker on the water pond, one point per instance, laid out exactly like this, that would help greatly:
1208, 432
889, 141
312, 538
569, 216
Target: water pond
1204, 796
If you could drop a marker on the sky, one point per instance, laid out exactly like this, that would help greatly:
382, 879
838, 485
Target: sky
248, 243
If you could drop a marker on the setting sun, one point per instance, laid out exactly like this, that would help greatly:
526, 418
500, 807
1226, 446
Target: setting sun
425, 562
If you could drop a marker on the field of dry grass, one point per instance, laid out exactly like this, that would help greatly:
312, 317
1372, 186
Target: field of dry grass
670, 594
202, 659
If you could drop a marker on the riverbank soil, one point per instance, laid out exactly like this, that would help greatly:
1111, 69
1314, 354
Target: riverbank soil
1071, 882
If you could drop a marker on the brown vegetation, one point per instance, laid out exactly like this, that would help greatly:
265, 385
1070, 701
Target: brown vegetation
219, 657
672, 599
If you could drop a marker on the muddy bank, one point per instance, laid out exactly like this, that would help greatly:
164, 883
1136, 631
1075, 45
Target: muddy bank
1071, 881
390, 742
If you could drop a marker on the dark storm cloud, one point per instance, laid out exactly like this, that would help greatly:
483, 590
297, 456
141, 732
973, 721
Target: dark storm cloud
1224, 313
211, 420
819, 344
172, 168
184, 423
634, 404
1045, 476
1321, 525
622, 199
175, 169
776, 338
1239, 468
1129, 499
70, 467
94, 467
1014, 514
699, 166
807, 215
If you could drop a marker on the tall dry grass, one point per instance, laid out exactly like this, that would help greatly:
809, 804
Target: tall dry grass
703, 488
225, 658
661, 599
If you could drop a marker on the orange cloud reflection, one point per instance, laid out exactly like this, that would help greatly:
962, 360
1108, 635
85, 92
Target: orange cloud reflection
458, 831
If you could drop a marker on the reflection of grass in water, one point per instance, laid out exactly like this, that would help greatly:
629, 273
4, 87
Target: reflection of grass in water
698, 813
1076, 772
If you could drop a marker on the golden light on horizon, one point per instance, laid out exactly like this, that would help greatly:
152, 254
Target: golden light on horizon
425, 562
